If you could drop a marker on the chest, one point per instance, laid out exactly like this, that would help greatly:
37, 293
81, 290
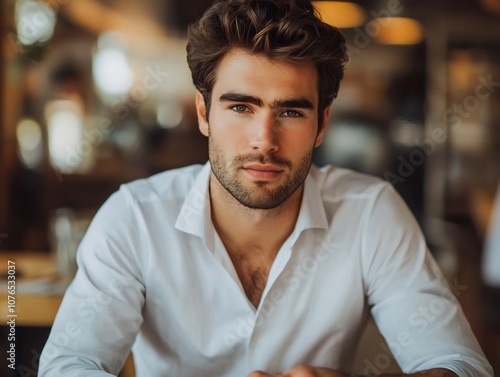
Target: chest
197, 310
253, 272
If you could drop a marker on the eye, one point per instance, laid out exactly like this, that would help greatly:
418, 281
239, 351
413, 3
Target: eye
239, 108
291, 114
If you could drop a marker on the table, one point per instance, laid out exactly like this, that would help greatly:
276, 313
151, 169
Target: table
32, 268
37, 309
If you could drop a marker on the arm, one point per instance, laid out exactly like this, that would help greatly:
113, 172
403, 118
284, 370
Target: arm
412, 305
308, 371
101, 311
410, 301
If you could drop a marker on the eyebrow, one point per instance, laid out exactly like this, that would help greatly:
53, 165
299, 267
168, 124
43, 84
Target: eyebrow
238, 97
298, 103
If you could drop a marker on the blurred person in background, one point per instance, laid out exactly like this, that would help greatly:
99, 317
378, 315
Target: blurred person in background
491, 257
258, 263
491, 267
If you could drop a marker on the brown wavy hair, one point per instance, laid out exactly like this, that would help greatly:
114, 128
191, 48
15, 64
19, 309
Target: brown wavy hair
287, 30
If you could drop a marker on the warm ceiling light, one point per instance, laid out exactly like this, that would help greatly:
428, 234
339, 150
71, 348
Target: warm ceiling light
397, 30
340, 14
97, 17
492, 6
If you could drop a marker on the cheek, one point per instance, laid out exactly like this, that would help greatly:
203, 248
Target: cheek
225, 139
230, 137
224, 143
300, 142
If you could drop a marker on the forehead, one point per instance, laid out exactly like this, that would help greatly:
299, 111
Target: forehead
257, 74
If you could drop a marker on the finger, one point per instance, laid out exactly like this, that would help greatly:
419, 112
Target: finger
259, 373
300, 371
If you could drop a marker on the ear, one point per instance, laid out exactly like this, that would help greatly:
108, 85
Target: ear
201, 112
323, 125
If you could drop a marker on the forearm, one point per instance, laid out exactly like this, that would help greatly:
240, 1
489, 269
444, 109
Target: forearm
309, 371
438, 372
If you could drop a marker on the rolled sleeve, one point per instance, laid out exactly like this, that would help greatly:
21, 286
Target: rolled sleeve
411, 302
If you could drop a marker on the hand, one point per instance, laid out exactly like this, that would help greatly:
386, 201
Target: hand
309, 371
302, 371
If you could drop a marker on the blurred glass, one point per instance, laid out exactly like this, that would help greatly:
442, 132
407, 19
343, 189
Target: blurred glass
67, 230
65, 131
35, 21
112, 73
29, 139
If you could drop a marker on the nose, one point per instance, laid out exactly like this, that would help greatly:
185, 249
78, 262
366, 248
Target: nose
265, 135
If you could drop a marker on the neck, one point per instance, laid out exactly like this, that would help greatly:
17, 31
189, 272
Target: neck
245, 228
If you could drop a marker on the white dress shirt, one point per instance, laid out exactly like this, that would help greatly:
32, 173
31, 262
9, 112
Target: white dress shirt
154, 275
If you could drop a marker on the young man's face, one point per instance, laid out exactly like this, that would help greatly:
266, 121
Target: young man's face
262, 127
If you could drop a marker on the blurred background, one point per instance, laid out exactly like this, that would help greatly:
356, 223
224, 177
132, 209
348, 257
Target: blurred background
95, 93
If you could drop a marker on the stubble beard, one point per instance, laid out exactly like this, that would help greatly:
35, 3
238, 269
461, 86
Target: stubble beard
261, 196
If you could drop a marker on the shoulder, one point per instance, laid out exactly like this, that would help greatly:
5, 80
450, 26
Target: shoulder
338, 184
152, 199
170, 185
140, 211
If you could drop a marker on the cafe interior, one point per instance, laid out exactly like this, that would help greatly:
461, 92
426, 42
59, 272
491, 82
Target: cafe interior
96, 93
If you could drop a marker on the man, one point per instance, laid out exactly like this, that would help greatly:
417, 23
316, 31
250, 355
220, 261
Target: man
258, 264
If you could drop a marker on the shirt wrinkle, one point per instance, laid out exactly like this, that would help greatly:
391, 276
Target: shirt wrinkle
178, 304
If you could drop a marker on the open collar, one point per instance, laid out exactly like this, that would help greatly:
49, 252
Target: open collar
195, 217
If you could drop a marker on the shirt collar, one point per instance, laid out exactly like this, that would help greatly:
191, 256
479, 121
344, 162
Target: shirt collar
195, 218
312, 210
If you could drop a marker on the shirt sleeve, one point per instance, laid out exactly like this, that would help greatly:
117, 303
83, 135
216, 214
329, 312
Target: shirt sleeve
411, 303
100, 314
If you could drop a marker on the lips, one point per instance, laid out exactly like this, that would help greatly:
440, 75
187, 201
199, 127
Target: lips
263, 171
263, 167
